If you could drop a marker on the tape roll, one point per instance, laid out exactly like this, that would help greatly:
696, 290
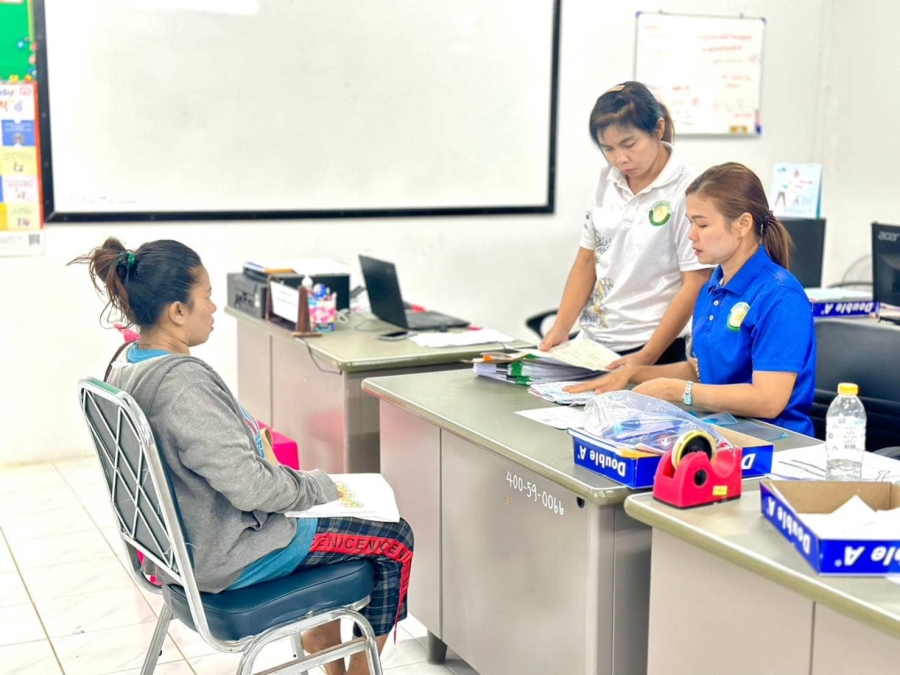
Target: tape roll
693, 441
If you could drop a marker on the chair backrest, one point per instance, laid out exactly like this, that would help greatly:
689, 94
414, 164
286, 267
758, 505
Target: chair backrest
139, 488
861, 351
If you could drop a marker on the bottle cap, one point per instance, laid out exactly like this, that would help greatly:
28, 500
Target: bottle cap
848, 389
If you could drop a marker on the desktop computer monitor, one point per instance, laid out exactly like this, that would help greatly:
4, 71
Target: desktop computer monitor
808, 235
886, 264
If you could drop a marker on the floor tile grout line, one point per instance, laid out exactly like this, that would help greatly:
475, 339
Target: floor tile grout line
33, 605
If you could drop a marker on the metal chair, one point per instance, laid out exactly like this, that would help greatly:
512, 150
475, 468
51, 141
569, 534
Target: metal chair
243, 620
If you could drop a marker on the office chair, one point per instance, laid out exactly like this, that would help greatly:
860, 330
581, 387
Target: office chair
858, 275
536, 323
860, 351
243, 620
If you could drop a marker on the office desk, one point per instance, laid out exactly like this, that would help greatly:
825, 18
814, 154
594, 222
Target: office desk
524, 562
729, 594
310, 391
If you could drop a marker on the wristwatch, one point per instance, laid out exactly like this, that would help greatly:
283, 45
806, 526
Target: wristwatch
686, 397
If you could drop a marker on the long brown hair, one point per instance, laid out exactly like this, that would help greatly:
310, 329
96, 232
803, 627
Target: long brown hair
736, 190
630, 104
140, 284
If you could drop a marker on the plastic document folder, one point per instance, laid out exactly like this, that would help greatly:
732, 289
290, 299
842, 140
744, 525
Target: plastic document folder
570, 361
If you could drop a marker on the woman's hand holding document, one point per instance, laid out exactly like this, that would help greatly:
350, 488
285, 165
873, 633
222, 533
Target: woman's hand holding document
573, 360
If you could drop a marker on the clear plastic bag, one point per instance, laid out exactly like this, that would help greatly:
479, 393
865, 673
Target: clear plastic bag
634, 421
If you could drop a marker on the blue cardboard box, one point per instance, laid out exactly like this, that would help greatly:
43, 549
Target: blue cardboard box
841, 302
783, 504
601, 457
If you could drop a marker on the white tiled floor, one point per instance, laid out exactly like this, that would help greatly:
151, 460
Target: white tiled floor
68, 606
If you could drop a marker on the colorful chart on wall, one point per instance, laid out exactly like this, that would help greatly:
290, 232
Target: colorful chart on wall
21, 226
706, 69
16, 40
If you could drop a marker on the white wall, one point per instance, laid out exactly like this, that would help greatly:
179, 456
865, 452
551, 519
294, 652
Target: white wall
859, 139
494, 271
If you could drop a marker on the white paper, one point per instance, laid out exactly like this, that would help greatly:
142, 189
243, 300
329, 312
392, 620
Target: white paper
553, 392
583, 353
855, 519
285, 301
467, 338
308, 266
835, 294
557, 417
809, 463
362, 495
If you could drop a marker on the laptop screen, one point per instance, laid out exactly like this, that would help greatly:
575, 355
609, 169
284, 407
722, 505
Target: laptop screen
384, 290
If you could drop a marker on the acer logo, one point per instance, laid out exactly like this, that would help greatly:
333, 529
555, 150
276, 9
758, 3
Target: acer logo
886, 235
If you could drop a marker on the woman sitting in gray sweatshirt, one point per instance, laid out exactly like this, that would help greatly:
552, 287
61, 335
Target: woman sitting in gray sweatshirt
231, 499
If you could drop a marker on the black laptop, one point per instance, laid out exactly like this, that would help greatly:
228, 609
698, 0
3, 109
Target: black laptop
387, 303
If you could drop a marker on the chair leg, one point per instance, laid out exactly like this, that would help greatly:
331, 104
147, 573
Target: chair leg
372, 656
156, 643
298, 649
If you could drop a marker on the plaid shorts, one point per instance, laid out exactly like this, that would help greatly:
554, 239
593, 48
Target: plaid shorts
387, 546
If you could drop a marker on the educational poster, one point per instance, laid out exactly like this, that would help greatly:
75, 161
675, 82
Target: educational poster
706, 69
17, 48
796, 190
21, 229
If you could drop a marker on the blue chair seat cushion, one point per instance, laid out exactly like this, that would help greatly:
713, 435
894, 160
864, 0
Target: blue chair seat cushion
233, 615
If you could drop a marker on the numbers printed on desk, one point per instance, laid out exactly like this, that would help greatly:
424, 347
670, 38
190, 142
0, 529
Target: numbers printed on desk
534, 493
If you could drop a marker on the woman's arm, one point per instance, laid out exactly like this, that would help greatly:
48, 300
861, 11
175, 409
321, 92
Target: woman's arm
672, 323
766, 397
578, 289
622, 377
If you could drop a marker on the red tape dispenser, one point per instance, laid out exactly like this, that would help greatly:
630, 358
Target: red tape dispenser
696, 472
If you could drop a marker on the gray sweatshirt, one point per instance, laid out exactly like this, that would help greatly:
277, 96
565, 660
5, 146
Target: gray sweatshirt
231, 500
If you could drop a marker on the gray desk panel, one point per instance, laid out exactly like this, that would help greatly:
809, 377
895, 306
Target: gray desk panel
520, 581
457, 401
737, 532
354, 346
254, 372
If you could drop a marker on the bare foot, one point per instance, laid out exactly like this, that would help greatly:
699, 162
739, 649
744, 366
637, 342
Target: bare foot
323, 637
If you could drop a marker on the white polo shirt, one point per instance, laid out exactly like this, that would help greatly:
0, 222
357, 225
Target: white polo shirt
641, 247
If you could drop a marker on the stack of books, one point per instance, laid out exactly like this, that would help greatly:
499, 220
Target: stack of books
571, 361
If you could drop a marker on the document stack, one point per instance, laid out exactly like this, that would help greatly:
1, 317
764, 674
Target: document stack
568, 362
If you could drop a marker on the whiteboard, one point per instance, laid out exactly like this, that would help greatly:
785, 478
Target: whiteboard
217, 109
707, 70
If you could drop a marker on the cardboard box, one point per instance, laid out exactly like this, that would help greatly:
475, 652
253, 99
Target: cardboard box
638, 472
783, 502
841, 302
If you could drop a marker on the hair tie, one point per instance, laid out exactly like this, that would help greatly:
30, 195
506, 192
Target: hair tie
768, 220
126, 258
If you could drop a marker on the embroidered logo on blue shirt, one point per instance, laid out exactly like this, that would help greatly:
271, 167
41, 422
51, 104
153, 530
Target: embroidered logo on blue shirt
737, 315
660, 213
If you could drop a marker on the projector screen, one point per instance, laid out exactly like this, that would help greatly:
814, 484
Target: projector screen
241, 109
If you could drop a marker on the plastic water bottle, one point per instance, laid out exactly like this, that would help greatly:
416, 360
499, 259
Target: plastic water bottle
845, 435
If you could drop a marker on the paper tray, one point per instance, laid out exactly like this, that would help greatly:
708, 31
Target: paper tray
781, 500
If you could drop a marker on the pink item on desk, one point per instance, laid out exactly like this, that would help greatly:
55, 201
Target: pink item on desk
285, 448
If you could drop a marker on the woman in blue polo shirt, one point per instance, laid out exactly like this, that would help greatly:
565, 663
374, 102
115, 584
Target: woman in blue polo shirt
754, 345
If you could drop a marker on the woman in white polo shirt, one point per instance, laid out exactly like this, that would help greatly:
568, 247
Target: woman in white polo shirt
636, 278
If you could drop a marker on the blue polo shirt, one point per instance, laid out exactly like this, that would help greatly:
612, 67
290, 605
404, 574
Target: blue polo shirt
760, 321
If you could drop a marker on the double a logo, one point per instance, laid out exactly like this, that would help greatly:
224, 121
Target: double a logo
888, 235
747, 460
790, 526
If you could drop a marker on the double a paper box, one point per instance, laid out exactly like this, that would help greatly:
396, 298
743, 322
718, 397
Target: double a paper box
601, 457
841, 302
784, 504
